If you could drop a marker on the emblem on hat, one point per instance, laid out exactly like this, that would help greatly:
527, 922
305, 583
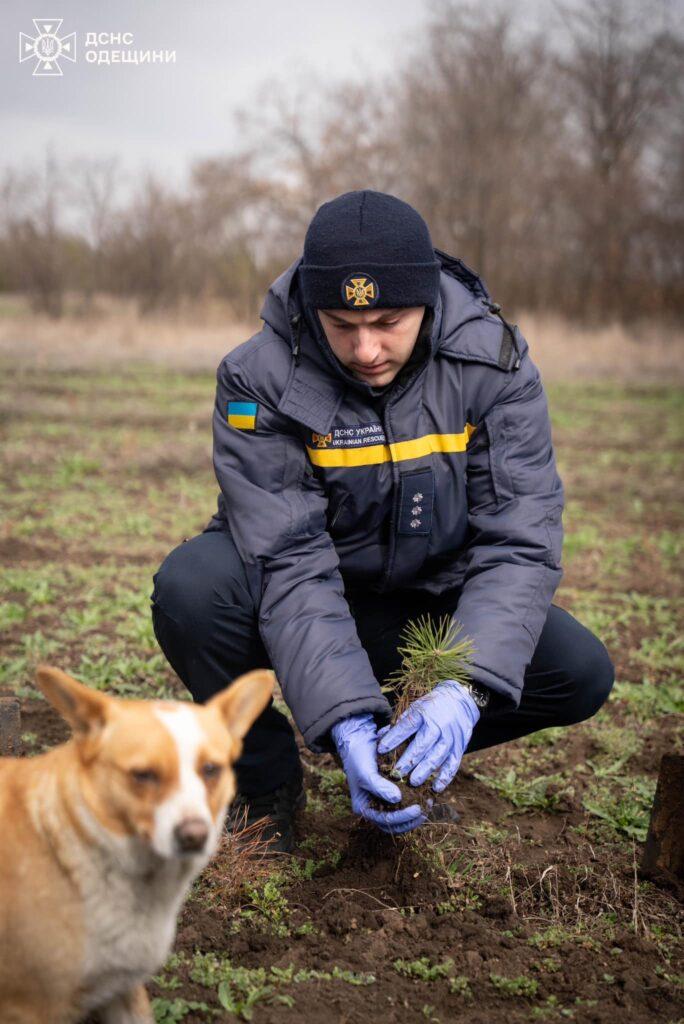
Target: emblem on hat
360, 290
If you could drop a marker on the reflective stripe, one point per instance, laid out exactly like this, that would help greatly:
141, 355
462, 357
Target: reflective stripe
242, 422
374, 454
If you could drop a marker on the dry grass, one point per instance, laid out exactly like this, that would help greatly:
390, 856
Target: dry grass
198, 336
563, 887
243, 856
115, 334
647, 353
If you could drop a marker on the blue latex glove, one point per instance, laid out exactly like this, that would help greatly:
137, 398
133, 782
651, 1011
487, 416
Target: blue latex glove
443, 721
356, 742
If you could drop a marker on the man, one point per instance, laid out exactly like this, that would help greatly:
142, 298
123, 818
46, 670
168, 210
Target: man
383, 451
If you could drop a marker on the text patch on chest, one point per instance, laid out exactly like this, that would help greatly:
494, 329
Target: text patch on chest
359, 435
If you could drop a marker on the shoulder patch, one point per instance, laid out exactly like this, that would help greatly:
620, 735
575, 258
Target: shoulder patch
242, 415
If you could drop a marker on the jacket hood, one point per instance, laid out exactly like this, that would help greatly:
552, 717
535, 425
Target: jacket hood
463, 296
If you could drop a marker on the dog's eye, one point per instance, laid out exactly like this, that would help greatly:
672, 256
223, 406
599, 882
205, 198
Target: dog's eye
209, 770
144, 776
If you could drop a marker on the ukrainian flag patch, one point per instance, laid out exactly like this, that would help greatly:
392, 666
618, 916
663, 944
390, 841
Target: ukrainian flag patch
242, 415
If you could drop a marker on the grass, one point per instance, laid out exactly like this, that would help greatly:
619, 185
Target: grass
648, 701
624, 807
237, 989
105, 470
543, 792
423, 969
514, 988
173, 1011
267, 905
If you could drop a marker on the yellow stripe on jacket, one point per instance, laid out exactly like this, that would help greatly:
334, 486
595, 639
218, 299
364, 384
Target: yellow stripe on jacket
399, 451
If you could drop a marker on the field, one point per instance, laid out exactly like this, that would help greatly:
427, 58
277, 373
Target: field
532, 908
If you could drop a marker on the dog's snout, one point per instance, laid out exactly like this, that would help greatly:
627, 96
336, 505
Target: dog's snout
191, 835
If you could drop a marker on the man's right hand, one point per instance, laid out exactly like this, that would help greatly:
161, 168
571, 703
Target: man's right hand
356, 742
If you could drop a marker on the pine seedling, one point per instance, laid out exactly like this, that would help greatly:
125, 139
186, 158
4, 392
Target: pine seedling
431, 651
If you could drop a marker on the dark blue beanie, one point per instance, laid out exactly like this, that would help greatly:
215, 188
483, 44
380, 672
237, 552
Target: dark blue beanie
366, 249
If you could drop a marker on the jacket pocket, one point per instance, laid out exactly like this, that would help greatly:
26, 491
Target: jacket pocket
501, 478
490, 483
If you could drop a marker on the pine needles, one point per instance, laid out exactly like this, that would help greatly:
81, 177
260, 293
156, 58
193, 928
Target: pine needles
431, 652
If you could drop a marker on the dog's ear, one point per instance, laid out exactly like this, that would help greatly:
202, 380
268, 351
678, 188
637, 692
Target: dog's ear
244, 700
85, 710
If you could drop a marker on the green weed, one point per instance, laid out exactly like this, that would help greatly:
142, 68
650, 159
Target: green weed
625, 809
548, 965
617, 745
11, 613
556, 936
269, 905
545, 737
172, 1011
423, 969
671, 547
520, 987
545, 792
648, 700
460, 986
240, 989
240, 998
73, 468
489, 833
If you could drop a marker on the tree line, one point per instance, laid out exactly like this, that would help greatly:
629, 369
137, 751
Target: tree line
550, 158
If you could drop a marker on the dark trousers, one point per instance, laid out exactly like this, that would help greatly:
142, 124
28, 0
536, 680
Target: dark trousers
206, 624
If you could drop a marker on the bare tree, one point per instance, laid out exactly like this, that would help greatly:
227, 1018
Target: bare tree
36, 241
478, 131
145, 254
621, 75
93, 188
229, 239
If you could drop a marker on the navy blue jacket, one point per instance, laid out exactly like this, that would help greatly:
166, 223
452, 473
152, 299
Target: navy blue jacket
445, 480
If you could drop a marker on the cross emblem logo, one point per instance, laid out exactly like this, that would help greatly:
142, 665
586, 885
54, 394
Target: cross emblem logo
360, 290
47, 47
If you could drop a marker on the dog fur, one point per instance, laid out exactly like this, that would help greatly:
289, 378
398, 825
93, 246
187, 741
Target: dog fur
101, 839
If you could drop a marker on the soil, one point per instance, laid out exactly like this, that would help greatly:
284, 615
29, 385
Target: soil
392, 899
423, 795
384, 902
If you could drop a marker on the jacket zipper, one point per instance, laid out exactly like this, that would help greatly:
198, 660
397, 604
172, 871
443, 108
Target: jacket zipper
391, 541
388, 568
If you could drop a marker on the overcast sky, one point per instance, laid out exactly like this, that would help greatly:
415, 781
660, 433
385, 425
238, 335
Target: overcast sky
163, 114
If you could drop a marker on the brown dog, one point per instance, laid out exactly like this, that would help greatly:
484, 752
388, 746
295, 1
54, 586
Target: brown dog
101, 839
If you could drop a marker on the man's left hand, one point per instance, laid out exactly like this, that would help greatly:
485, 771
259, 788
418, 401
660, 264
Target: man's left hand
443, 722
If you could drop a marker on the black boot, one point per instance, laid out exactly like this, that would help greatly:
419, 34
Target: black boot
275, 810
